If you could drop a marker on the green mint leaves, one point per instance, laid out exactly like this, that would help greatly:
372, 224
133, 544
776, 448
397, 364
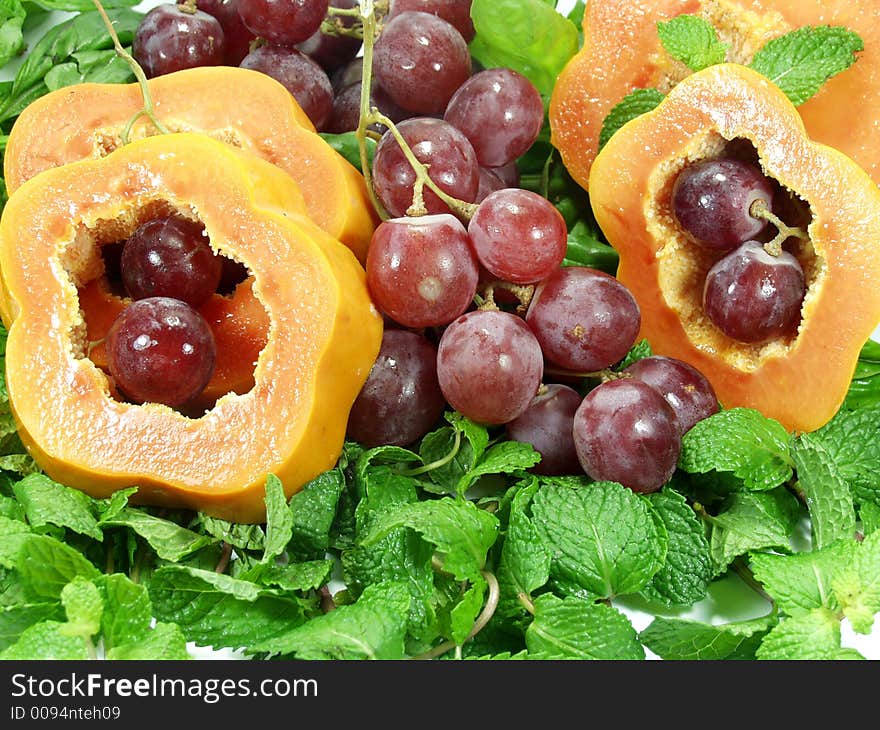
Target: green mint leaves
692, 40
801, 61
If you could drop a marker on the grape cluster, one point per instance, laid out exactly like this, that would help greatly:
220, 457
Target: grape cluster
466, 267
753, 292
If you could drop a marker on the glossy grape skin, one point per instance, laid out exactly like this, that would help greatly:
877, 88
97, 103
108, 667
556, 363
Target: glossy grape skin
170, 257
685, 388
160, 350
300, 75
236, 36
170, 39
489, 365
401, 398
547, 424
626, 432
347, 109
753, 296
585, 319
283, 22
518, 236
712, 199
422, 271
332, 51
455, 12
500, 111
453, 165
420, 60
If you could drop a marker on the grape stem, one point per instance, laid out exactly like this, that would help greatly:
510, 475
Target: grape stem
483, 619
148, 109
759, 209
371, 115
523, 293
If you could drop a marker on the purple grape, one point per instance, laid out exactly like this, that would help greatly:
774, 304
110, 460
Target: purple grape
753, 296
170, 38
283, 22
712, 200
401, 398
547, 424
489, 365
455, 12
626, 432
685, 388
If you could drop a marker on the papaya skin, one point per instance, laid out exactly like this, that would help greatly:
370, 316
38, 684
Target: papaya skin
86, 121
324, 332
803, 380
622, 52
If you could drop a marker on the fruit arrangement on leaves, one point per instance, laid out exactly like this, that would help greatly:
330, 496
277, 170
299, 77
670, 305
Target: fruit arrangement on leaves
420, 300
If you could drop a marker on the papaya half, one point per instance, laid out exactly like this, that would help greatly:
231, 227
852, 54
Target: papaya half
242, 107
800, 379
323, 333
622, 52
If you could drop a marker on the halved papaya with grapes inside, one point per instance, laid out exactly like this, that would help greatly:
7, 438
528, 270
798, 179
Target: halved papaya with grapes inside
622, 52
241, 107
323, 333
799, 376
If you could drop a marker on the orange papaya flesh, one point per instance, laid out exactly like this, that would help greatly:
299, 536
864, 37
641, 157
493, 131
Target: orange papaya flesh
800, 380
242, 107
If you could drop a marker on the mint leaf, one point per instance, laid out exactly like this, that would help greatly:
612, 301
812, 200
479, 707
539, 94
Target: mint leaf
215, 610
800, 61
829, 500
164, 642
692, 40
864, 390
47, 640
83, 605
372, 628
464, 613
685, 575
634, 104
524, 565
279, 519
15, 619
12, 16
854, 439
857, 587
528, 36
400, 556
46, 502
506, 457
127, 610
13, 533
47, 565
110, 508
461, 531
754, 448
602, 537
814, 635
686, 640
802, 582
243, 537
313, 509
573, 628
869, 514
170, 541
306, 576
752, 521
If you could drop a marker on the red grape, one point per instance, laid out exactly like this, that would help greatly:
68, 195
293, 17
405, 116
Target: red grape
585, 319
626, 432
170, 38
170, 257
455, 12
518, 236
160, 350
237, 38
422, 271
489, 365
283, 22
753, 296
401, 398
547, 424
420, 60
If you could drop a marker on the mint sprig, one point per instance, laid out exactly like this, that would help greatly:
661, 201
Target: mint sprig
692, 40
